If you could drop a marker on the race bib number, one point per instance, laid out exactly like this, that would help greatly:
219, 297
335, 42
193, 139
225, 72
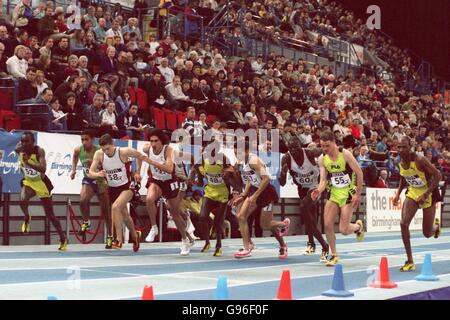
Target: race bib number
30, 173
306, 181
114, 177
341, 181
174, 186
415, 181
214, 179
254, 181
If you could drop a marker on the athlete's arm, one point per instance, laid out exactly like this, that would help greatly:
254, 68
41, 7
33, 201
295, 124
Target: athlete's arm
356, 198
195, 171
93, 170
315, 152
42, 166
75, 158
284, 170
133, 153
433, 175
323, 180
402, 185
137, 175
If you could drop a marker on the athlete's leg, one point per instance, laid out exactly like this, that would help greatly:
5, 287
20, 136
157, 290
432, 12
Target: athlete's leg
409, 210
267, 223
218, 222
310, 216
345, 225
105, 207
243, 213
118, 208
174, 207
86, 195
123, 199
25, 195
153, 194
207, 206
305, 207
428, 226
331, 211
48, 208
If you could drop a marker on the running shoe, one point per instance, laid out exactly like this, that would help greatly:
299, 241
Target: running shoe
206, 247
185, 247
408, 267
85, 226
191, 242
332, 261
283, 252
310, 249
152, 234
324, 255
136, 242
243, 254
109, 242
285, 230
218, 252
360, 232
252, 247
26, 225
63, 245
117, 244
437, 233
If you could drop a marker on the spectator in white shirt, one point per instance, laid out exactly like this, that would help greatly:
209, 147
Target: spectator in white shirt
175, 91
109, 116
115, 30
258, 65
17, 65
166, 71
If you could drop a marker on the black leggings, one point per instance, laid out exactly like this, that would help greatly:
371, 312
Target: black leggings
219, 217
309, 210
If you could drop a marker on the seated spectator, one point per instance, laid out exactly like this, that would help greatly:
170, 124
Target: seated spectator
109, 118
17, 65
364, 158
128, 122
178, 100
93, 118
59, 120
382, 181
123, 102
46, 25
100, 30
41, 82
109, 69
72, 69
27, 86
68, 86
74, 113
60, 56
237, 117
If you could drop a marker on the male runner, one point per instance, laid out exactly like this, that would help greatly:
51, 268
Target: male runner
258, 194
36, 183
338, 167
162, 181
85, 153
218, 172
301, 164
115, 165
422, 179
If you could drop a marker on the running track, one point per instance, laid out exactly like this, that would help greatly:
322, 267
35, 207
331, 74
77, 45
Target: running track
90, 272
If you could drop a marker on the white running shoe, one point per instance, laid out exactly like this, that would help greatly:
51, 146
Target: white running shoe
185, 247
152, 234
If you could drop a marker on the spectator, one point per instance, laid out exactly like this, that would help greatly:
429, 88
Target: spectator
92, 115
166, 71
382, 181
60, 55
74, 113
46, 25
192, 127
17, 65
27, 86
128, 122
115, 30
59, 120
178, 99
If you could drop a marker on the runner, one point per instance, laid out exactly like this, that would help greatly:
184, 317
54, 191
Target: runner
258, 194
36, 183
304, 170
162, 182
338, 168
218, 172
89, 187
115, 164
421, 179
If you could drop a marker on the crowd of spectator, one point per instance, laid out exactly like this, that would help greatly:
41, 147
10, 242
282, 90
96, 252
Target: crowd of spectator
83, 68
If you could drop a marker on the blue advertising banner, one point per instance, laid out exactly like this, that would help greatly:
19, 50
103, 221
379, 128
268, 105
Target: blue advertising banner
9, 162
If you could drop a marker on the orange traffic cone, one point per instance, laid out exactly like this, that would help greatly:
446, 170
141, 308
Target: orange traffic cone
383, 280
285, 290
147, 294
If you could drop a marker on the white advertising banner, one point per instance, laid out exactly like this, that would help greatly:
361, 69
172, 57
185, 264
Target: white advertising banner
58, 153
383, 216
